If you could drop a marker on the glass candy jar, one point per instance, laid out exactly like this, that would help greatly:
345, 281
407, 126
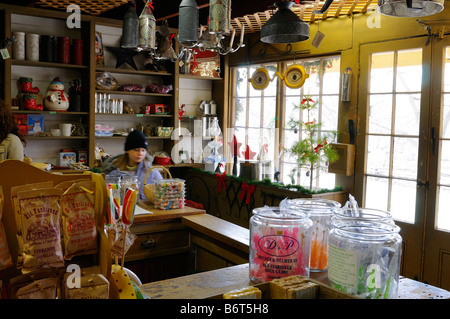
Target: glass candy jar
280, 243
368, 214
364, 258
321, 212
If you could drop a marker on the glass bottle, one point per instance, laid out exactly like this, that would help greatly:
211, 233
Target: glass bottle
364, 258
147, 28
280, 243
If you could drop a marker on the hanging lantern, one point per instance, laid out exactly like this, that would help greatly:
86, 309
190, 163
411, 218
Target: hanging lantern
130, 30
220, 16
188, 23
410, 8
284, 26
147, 27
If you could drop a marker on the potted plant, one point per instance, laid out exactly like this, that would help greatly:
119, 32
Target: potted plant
314, 151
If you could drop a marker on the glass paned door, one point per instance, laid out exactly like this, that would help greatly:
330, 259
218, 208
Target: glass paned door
392, 144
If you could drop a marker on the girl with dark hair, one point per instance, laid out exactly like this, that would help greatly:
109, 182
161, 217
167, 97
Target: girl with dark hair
11, 140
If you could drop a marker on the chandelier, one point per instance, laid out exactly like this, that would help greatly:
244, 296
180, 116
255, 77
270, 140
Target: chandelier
218, 28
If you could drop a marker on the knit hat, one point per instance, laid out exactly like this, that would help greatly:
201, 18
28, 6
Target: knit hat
136, 139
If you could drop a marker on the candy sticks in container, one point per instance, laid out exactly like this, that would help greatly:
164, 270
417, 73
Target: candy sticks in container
129, 205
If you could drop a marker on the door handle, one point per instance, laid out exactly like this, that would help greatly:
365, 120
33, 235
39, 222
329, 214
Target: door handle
148, 243
425, 184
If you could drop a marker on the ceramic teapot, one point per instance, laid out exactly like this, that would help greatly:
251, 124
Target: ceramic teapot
55, 98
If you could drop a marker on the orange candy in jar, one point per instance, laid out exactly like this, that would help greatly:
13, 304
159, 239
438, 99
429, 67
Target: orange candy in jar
320, 212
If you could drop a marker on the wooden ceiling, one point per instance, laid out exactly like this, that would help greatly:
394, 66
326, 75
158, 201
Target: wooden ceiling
251, 14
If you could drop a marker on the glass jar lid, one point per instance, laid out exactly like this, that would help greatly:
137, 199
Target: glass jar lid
368, 214
313, 205
277, 213
365, 230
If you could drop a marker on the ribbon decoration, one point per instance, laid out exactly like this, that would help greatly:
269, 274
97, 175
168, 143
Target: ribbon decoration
150, 4
249, 189
221, 181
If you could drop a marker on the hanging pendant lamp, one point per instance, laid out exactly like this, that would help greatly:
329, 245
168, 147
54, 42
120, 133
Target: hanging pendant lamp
220, 16
188, 23
284, 26
130, 30
410, 8
147, 27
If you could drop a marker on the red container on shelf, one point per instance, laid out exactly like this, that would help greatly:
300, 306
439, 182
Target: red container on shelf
63, 50
161, 160
77, 49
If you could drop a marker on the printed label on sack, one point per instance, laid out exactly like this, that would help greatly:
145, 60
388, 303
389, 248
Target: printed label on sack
342, 266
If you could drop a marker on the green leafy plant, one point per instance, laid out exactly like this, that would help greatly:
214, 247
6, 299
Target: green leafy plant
314, 151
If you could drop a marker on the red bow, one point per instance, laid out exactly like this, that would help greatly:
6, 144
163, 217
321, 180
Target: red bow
150, 4
249, 189
221, 181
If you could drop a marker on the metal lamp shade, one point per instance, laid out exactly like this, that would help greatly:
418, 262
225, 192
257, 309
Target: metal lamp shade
284, 26
147, 29
188, 23
220, 16
130, 30
410, 8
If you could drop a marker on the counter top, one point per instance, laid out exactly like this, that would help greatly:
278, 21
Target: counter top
145, 213
215, 282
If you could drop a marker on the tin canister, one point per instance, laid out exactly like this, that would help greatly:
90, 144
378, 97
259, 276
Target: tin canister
321, 212
63, 50
280, 243
47, 48
364, 258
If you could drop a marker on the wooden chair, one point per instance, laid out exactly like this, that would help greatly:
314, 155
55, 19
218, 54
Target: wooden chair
15, 173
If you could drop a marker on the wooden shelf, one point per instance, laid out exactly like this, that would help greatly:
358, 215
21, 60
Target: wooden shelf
133, 93
196, 77
48, 112
123, 137
100, 68
31, 137
47, 64
136, 115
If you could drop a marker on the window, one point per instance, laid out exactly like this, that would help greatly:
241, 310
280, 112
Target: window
393, 132
256, 113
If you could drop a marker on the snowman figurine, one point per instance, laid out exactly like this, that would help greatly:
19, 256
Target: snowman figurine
56, 99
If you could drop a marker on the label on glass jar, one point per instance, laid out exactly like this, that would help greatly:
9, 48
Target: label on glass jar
342, 266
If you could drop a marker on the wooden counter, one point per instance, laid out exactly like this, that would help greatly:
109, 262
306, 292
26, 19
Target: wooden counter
215, 282
145, 213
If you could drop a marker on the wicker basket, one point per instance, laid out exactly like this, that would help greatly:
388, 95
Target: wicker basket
149, 189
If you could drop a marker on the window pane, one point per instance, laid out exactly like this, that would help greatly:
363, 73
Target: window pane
446, 115
331, 76
407, 114
378, 153
376, 193
405, 157
381, 72
330, 108
241, 82
312, 84
254, 112
409, 71
240, 109
291, 112
252, 91
380, 113
445, 163
443, 211
269, 112
403, 200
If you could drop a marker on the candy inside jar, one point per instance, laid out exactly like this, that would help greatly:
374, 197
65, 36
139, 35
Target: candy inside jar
364, 258
280, 243
320, 212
